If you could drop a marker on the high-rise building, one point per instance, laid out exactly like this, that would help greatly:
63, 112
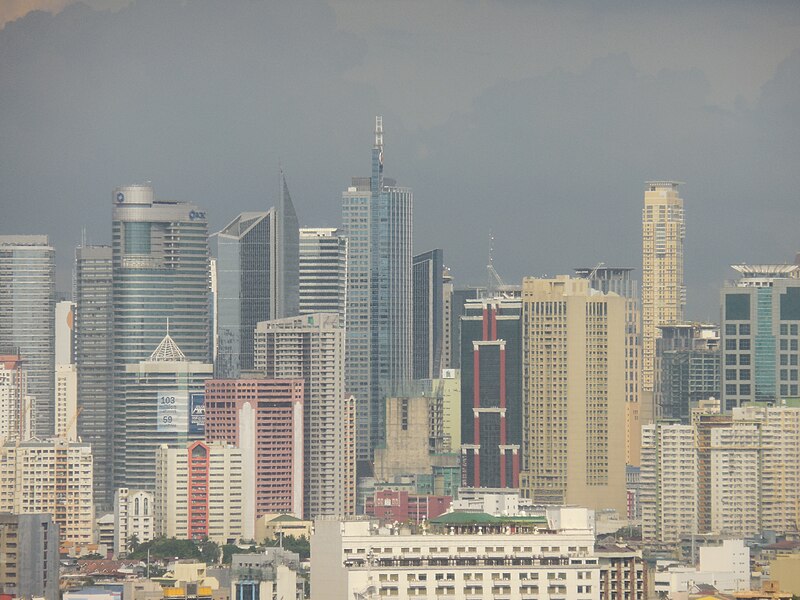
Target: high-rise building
66, 373
94, 360
687, 369
54, 477
491, 392
573, 394
458, 301
30, 564
447, 319
200, 491
705, 420
618, 280
15, 402
323, 272
164, 405
27, 301
663, 290
160, 281
263, 418
311, 348
377, 220
134, 518
760, 333
428, 313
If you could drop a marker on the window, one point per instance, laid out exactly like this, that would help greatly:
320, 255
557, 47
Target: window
744, 344
730, 344
744, 329
730, 329
744, 359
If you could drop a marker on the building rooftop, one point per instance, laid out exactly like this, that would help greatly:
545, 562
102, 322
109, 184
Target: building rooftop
167, 351
766, 270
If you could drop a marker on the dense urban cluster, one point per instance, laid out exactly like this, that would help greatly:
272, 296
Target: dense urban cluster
276, 411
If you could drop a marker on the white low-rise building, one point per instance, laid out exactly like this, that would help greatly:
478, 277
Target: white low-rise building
134, 518
726, 567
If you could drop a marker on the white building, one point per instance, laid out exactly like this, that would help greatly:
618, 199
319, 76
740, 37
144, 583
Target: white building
726, 567
735, 487
459, 555
15, 402
134, 512
323, 271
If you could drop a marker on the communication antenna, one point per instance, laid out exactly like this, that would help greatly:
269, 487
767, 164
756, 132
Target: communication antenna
379, 137
495, 281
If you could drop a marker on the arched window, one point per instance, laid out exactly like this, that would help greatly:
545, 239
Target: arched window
146, 506
136, 507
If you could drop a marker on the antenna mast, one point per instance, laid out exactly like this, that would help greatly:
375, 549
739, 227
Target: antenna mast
379, 137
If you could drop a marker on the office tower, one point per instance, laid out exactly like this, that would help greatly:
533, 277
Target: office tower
164, 405
27, 301
457, 303
15, 402
264, 418
66, 373
428, 297
160, 281
311, 348
29, 547
663, 290
134, 518
618, 280
447, 319
377, 220
687, 369
491, 392
200, 489
760, 321
54, 477
668, 494
573, 394
323, 272
94, 360
214, 287
286, 256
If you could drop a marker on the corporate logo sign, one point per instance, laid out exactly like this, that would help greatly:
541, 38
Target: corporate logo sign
197, 214
120, 197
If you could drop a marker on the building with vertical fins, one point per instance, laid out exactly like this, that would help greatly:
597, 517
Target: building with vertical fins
94, 361
323, 272
377, 220
491, 392
160, 275
428, 309
27, 305
663, 289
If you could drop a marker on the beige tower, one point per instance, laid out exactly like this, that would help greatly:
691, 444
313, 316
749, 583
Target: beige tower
663, 292
573, 394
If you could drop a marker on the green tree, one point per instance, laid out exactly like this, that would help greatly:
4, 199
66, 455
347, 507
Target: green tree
300, 545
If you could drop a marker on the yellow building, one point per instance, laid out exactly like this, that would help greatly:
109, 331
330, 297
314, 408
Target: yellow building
270, 527
573, 347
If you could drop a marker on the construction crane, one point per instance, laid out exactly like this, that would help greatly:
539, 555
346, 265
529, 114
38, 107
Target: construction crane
71, 422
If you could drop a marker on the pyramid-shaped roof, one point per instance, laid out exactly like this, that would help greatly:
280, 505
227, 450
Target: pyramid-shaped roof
167, 351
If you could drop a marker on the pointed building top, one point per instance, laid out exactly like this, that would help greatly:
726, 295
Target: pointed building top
167, 351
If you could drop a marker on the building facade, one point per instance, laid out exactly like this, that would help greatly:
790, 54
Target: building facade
428, 313
29, 547
15, 402
323, 272
134, 519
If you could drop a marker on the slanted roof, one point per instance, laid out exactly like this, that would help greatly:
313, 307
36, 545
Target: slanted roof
167, 351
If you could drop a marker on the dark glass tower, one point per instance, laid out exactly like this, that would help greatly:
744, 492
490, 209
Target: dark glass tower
428, 318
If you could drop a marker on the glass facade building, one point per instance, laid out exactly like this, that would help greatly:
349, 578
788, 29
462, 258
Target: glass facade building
428, 318
323, 272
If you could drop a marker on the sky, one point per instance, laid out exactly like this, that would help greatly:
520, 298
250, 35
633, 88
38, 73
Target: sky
536, 122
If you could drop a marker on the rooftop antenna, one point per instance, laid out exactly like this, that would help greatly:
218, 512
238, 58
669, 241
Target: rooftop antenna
495, 281
379, 137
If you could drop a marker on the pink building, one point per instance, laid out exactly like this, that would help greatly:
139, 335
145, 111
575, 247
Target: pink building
390, 505
263, 417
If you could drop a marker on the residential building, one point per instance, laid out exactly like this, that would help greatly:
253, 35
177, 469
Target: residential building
29, 547
760, 337
705, 420
53, 477
164, 405
725, 567
200, 491
264, 419
323, 272
273, 574
447, 319
618, 280
311, 348
623, 573
66, 373
573, 394
428, 313
491, 392
663, 289
134, 518
104, 534
94, 360
735, 484
160, 278
377, 220
15, 402
27, 302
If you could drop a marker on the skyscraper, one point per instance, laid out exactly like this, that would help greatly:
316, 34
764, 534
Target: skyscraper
66, 374
377, 220
160, 280
27, 304
94, 359
428, 269
663, 290
323, 272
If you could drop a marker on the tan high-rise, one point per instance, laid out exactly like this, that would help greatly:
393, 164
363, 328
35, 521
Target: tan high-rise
573, 394
663, 291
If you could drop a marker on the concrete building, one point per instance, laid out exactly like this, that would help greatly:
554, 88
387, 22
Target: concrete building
573, 394
705, 420
725, 567
27, 301
323, 272
377, 220
270, 575
760, 337
200, 490
447, 319
275, 527
29, 551
164, 405
134, 517
94, 360
459, 555
618, 280
668, 480
66, 372
390, 506
263, 418
15, 402
623, 573
491, 392
663, 289
52, 477
311, 348
160, 278
428, 313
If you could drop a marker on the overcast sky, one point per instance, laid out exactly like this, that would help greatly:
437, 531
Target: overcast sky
538, 121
